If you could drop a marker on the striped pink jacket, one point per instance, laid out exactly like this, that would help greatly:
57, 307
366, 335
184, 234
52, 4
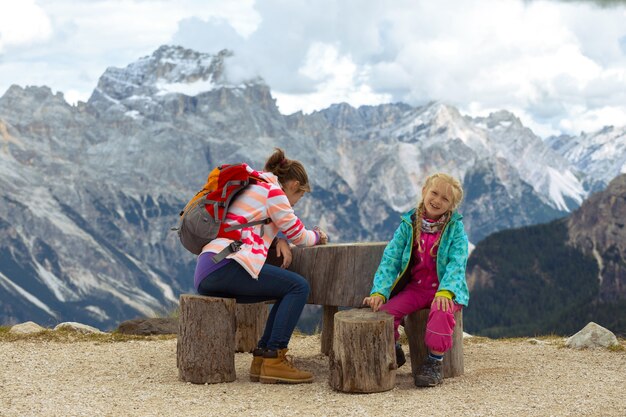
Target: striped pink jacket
257, 202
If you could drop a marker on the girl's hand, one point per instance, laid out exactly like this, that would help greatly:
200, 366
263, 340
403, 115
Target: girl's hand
323, 235
442, 303
284, 250
374, 301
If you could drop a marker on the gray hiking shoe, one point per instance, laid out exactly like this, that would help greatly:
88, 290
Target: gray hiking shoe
430, 374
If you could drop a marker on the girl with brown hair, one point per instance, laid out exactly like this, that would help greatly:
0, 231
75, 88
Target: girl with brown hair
245, 276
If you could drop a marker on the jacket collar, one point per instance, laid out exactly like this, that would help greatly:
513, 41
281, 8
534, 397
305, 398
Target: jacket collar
409, 216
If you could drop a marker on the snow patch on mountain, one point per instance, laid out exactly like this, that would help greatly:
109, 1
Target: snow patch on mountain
549, 174
41, 203
130, 296
167, 290
133, 114
55, 284
188, 89
600, 156
564, 184
98, 313
11, 286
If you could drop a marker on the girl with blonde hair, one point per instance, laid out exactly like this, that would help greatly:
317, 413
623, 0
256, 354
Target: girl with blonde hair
424, 266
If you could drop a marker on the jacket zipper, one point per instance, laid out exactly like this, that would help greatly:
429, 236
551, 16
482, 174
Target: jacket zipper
411, 254
407, 264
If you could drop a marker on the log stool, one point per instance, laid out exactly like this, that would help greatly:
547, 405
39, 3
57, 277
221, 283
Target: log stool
251, 320
362, 358
205, 350
415, 328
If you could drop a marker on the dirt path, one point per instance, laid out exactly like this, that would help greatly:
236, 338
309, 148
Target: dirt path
139, 378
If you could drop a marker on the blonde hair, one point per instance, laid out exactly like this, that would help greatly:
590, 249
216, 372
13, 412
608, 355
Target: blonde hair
287, 169
457, 198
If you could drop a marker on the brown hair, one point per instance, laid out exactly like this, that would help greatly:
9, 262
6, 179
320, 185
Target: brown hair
287, 169
457, 197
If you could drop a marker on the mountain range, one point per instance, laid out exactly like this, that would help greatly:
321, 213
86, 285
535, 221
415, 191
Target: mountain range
90, 191
555, 277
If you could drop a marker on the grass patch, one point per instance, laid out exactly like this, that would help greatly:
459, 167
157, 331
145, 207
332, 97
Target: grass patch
476, 340
69, 336
172, 314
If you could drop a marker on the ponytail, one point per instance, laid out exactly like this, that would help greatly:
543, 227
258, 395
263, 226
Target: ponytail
287, 169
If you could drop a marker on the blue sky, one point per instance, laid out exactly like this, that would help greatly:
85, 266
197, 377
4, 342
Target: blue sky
559, 65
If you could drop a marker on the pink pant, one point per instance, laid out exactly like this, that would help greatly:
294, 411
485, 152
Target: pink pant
440, 325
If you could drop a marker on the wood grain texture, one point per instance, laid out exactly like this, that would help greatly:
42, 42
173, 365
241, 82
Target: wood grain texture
339, 274
205, 350
251, 320
415, 328
328, 328
362, 358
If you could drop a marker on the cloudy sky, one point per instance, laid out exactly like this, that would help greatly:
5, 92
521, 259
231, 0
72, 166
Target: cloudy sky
559, 65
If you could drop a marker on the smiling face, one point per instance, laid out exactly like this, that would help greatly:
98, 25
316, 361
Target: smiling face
438, 199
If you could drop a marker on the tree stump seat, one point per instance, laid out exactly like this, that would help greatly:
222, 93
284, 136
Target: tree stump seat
415, 328
211, 330
362, 359
205, 350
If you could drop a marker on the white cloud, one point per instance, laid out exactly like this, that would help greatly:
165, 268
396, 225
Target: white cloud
338, 78
560, 66
544, 59
22, 23
585, 120
84, 37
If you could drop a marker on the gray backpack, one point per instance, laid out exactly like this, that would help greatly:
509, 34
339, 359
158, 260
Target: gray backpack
203, 218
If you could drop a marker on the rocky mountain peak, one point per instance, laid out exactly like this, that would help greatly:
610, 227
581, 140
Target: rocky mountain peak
344, 116
37, 95
170, 69
179, 65
598, 228
445, 111
28, 106
442, 115
500, 119
600, 155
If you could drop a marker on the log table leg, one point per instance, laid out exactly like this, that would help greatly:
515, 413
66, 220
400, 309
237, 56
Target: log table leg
415, 328
362, 358
251, 320
205, 350
328, 327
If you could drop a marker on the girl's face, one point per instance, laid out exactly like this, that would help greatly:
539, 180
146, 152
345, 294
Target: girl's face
293, 192
438, 199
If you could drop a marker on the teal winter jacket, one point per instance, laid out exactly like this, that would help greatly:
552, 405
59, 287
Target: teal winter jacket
451, 259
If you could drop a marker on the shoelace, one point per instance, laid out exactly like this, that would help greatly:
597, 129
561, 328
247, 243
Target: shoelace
288, 359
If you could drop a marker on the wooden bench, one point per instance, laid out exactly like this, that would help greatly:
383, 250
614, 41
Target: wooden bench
340, 275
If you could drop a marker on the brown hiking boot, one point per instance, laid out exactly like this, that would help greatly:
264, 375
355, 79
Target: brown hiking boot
255, 366
276, 367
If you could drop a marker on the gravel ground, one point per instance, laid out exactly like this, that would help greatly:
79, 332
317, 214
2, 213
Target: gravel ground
139, 378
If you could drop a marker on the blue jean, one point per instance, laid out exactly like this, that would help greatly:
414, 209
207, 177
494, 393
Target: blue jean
289, 289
